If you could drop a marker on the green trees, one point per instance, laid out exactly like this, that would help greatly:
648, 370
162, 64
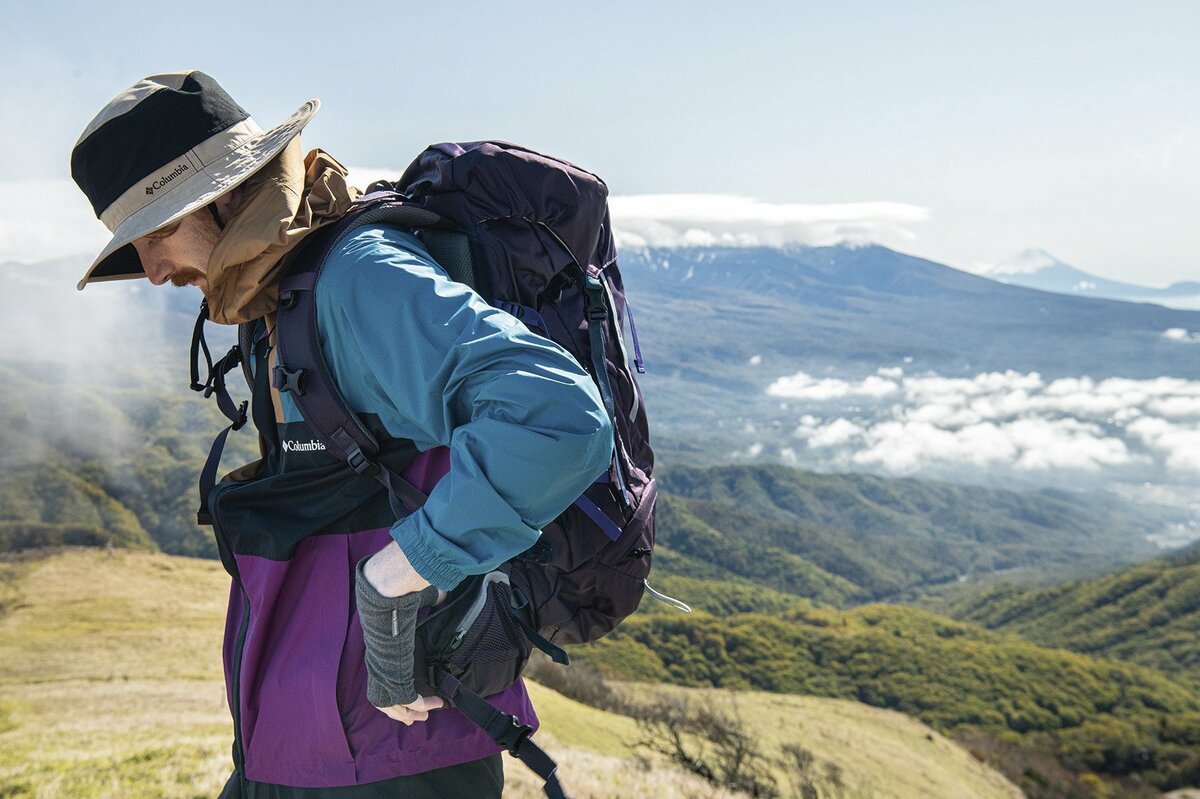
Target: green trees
1147, 614
1113, 718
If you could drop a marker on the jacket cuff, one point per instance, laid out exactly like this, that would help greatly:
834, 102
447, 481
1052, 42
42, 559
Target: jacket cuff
426, 561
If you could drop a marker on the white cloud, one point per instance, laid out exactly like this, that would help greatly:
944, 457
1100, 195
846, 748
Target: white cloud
805, 386
685, 220
998, 422
45, 220
363, 176
1181, 335
753, 451
1175, 407
834, 434
1178, 444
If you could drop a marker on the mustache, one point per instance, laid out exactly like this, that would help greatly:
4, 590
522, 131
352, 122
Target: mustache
186, 277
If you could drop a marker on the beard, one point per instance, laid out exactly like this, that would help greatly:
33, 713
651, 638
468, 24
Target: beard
186, 276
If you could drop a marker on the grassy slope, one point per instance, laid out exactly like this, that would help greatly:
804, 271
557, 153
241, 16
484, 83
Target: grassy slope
111, 678
1147, 614
111, 687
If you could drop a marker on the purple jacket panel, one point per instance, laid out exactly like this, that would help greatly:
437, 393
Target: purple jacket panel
305, 718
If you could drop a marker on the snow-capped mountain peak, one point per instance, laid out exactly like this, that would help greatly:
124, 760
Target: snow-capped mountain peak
1024, 263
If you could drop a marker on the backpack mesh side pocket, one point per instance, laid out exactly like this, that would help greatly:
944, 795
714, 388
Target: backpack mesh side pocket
475, 638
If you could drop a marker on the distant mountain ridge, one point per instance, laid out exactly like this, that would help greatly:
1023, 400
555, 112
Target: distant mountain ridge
870, 306
1039, 269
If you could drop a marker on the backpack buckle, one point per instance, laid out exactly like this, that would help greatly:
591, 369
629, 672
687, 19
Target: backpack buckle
240, 421
514, 735
361, 464
284, 379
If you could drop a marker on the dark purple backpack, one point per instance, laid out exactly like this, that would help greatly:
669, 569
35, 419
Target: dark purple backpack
542, 248
531, 234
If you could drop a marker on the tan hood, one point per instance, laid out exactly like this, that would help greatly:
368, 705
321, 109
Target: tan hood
282, 203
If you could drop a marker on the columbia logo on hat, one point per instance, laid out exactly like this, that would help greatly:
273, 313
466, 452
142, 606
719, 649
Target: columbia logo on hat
161, 183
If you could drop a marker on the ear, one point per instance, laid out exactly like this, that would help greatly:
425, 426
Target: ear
226, 203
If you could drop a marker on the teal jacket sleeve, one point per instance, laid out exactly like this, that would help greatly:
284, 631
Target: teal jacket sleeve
524, 422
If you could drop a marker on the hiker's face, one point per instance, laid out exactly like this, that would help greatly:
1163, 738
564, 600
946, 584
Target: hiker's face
179, 253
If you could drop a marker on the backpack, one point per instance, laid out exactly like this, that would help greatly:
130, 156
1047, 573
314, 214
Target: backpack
531, 234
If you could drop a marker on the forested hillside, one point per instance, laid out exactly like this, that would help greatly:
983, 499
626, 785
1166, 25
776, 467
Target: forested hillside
1147, 614
1120, 720
92, 458
845, 538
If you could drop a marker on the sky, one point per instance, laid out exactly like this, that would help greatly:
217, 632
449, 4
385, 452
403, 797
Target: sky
960, 132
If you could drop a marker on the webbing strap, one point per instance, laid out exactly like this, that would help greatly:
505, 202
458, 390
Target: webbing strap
214, 385
532, 319
593, 511
208, 475
503, 728
403, 496
556, 653
198, 343
301, 369
638, 362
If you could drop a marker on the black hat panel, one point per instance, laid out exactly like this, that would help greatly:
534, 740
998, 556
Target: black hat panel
156, 131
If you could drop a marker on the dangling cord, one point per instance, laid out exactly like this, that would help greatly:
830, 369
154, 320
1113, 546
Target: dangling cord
198, 345
212, 209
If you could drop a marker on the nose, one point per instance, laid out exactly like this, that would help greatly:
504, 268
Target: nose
157, 274
157, 269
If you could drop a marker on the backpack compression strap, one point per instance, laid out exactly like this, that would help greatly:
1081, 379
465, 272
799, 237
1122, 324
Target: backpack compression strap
214, 385
503, 728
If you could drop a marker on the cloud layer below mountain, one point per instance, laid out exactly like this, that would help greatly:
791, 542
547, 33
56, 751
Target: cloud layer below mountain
996, 422
698, 220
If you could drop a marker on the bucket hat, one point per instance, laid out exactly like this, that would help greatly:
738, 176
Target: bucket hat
168, 145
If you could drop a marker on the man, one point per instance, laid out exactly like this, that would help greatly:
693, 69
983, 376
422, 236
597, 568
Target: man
502, 429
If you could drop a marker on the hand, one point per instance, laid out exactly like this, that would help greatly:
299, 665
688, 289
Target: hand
416, 711
389, 626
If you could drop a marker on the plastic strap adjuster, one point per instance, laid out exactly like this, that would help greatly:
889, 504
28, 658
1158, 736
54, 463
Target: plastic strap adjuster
597, 313
358, 461
284, 379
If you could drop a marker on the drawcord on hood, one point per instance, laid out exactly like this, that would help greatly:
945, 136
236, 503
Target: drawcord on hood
212, 209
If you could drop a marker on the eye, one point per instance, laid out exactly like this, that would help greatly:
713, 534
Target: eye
162, 233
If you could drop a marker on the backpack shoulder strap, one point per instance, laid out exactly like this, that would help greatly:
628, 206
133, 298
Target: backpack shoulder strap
301, 369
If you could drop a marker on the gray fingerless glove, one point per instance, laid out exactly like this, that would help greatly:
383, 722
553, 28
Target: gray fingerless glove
389, 631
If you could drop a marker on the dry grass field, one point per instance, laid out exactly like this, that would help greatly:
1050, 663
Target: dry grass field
110, 686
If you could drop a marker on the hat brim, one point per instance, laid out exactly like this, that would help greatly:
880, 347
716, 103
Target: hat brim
120, 261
